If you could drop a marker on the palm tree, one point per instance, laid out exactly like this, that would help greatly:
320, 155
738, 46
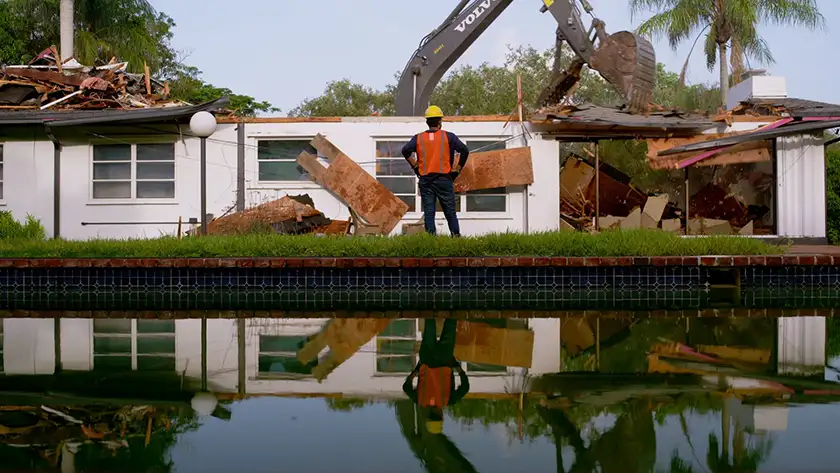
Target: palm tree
728, 24
131, 30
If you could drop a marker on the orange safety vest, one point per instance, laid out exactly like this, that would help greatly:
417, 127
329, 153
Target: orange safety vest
434, 385
433, 153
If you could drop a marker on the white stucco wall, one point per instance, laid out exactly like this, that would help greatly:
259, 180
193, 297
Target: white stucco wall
800, 186
28, 177
29, 348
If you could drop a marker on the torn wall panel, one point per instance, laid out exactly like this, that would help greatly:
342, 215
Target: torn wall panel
354, 186
494, 169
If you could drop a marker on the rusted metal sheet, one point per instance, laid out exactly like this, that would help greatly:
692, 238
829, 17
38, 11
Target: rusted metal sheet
354, 186
476, 342
493, 169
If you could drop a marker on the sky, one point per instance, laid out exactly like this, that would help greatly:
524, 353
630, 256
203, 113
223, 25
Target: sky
285, 51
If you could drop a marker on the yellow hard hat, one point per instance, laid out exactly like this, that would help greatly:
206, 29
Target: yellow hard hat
434, 426
434, 112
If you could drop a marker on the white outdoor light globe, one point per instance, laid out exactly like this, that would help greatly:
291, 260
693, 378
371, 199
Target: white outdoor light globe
203, 124
204, 403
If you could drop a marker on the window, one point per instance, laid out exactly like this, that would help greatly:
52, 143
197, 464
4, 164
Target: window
278, 356
141, 171
1, 179
396, 351
393, 171
125, 344
2, 360
486, 200
277, 160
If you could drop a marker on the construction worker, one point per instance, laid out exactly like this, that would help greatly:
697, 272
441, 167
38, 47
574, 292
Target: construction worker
436, 169
435, 374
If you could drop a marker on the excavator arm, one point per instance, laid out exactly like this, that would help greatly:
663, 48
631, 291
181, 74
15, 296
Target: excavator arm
623, 59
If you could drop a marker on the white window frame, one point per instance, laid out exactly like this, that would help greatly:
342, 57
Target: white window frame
133, 142
298, 184
418, 338
134, 335
2, 340
3, 189
463, 214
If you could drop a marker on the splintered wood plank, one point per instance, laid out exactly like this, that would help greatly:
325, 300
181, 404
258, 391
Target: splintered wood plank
358, 189
476, 342
48, 76
492, 169
311, 165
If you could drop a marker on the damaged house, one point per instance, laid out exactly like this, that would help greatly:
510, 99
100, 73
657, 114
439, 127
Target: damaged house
99, 153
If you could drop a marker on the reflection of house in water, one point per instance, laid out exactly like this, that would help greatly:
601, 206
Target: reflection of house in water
348, 356
291, 356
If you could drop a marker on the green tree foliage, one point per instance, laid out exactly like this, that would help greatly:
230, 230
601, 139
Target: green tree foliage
832, 164
730, 26
130, 30
491, 89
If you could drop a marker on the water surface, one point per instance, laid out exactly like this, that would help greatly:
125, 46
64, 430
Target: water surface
582, 394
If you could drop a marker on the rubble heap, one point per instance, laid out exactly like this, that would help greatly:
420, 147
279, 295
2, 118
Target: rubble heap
289, 215
713, 209
48, 83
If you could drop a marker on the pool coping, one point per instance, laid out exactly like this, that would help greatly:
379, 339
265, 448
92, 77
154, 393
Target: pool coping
425, 262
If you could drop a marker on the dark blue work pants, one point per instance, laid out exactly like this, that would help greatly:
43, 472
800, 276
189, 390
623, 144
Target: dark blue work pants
442, 188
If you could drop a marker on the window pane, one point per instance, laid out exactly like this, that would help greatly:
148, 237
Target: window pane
156, 152
271, 171
486, 203
155, 344
109, 345
395, 347
390, 149
112, 362
111, 190
481, 146
112, 325
282, 343
112, 153
1, 170
152, 170
156, 190
156, 363
400, 328
285, 149
393, 167
399, 185
484, 368
155, 326
1, 189
284, 364
410, 200
111, 171
395, 364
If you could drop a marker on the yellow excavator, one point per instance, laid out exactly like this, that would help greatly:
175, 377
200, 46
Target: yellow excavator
624, 59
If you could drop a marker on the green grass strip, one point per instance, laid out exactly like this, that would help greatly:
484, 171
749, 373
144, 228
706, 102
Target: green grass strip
571, 244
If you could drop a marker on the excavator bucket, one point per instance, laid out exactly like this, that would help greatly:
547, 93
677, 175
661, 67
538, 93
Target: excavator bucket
627, 61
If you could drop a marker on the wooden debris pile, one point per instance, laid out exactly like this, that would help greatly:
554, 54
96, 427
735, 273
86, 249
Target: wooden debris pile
717, 207
46, 429
289, 215
48, 83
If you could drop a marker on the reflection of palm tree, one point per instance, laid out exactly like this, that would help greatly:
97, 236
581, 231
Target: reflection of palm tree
745, 458
630, 445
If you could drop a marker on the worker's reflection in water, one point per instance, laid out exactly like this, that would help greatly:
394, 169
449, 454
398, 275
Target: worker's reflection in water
435, 373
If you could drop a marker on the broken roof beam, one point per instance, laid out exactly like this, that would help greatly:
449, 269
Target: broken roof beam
760, 134
48, 76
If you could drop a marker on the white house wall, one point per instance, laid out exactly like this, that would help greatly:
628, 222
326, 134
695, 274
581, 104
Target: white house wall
28, 180
800, 186
28, 177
